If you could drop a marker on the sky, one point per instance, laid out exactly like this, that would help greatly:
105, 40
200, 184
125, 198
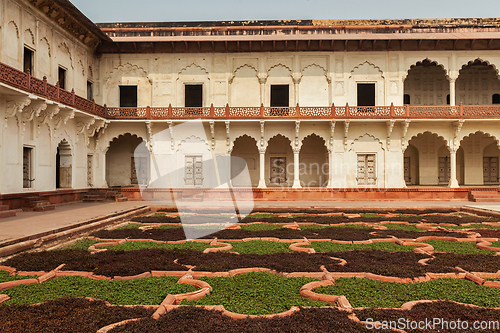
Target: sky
242, 10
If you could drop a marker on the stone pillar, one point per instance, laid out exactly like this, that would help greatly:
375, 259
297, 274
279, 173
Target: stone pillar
262, 81
296, 169
330, 169
296, 77
262, 177
453, 169
452, 92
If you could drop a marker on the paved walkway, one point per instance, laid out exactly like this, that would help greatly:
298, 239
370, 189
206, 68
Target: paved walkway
32, 223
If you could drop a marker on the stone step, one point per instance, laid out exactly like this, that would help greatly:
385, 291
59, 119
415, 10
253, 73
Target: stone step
44, 208
486, 200
122, 199
7, 213
100, 199
39, 203
4, 208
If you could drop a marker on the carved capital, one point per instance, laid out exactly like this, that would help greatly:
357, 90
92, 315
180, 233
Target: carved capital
296, 77
262, 78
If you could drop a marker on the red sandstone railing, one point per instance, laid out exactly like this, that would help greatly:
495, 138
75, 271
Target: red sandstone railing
298, 112
25, 81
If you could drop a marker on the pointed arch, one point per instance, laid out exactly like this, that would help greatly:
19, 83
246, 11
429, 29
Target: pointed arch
480, 60
279, 65
46, 41
128, 66
280, 134
192, 138
470, 134
370, 136
30, 35
247, 66
121, 136
65, 49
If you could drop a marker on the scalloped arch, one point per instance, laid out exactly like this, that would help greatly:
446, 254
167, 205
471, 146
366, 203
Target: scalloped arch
127, 64
246, 136
63, 136
119, 136
471, 62
367, 63
314, 135
246, 65
420, 63
466, 136
191, 65
15, 26
47, 42
432, 133
370, 136
31, 34
279, 65
280, 134
65, 48
313, 65
193, 137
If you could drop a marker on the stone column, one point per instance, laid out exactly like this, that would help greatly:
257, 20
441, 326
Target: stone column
262, 81
453, 169
330, 169
296, 77
296, 169
262, 177
452, 92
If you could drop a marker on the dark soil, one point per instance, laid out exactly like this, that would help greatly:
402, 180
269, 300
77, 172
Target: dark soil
191, 319
398, 264
338, 233
322, 219
324, 211
488, 233
448, 311
75, 315
469, 262
109, 263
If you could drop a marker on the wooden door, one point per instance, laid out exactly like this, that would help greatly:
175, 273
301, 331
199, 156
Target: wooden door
490, 170
366, 169
278, 170
407, 170
90, 176
27, 167
444, 169
193, 171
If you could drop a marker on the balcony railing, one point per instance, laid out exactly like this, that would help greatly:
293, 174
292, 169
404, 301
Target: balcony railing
298, 112
25, 81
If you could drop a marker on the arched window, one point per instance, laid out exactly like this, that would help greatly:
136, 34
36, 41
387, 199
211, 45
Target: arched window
406, 99
495, 99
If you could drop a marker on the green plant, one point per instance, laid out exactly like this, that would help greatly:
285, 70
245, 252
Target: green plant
256, 293
6, 277
371, 293
81, 244
335, 247
261, 216
137, 291
258, 227
132, 246
456, 247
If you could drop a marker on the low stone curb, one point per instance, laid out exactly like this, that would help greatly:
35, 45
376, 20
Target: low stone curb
69, 231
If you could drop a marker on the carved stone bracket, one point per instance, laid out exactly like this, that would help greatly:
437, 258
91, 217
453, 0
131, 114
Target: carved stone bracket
94, 128
31, 111
390, 128
212, 132
404, 142
83, 127
100, 134
346, 132
458, 127
62, 118
14, 107
50, 111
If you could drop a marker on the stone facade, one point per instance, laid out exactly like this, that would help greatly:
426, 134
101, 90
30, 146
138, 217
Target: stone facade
317, 136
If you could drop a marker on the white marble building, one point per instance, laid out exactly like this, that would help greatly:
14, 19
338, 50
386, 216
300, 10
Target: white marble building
310, 104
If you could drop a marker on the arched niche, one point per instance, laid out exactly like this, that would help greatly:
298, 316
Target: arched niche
313, 88
427, 84
124, 167
245, 88
245, 147
127, 75
477, 83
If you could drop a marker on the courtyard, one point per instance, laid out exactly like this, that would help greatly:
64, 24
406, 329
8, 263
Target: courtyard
278, 269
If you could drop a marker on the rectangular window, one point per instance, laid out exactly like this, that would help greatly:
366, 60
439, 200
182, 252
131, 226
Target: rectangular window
90, 91
29, 57
62, 78
193, 171
128, 96
280, 95
27, 167
366, 171
366, 94
193, 95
